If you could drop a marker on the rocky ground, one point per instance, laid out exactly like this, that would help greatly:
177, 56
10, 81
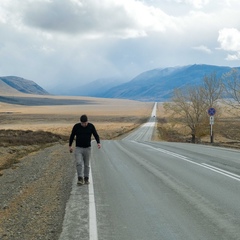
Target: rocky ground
34, 192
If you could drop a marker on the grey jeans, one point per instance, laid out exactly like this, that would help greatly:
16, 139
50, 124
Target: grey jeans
82, 156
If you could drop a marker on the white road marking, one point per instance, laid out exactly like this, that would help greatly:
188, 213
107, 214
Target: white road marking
70, 228
204, 165
93, 234
221, 171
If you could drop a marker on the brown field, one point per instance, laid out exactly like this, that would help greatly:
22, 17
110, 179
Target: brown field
111, 117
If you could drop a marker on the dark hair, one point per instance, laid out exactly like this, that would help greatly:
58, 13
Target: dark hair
84, 118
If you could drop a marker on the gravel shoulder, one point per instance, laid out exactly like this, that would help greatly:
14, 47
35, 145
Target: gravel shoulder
33, 194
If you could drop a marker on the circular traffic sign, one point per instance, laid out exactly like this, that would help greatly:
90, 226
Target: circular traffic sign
211, 111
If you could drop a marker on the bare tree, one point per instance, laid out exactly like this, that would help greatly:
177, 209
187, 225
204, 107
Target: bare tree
232, 88
190, 105
212, 89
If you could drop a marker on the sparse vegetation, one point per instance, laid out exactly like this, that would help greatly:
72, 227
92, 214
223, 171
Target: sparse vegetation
187, 115
189, 106
226, 133
28, 137
19, 143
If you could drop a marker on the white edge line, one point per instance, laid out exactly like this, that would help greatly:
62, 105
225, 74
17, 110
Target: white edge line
93, 234
223, 172
233, 174
214, 169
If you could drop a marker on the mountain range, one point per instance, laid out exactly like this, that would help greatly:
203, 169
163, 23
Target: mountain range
159, 84
153, 85
15, 85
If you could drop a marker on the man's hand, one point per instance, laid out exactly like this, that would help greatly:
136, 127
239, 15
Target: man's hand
99, 145
70, 149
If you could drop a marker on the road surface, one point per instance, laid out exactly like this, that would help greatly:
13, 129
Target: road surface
164, 191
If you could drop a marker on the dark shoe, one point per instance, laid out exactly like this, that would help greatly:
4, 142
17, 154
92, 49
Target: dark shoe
86, 180
80, 181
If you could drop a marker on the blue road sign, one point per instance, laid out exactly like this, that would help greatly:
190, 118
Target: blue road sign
211, 111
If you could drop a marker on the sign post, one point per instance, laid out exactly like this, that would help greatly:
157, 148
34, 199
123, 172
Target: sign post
211, 113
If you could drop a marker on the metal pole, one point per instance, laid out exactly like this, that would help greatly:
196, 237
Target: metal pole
211, 134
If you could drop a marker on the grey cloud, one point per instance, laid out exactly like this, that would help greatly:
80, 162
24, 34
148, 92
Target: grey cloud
69, 17
60, 54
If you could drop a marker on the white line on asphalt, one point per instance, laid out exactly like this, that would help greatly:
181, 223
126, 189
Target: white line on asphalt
70, 228
212, 168
93, 234
221, 171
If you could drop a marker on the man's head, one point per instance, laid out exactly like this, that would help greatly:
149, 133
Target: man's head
84, 120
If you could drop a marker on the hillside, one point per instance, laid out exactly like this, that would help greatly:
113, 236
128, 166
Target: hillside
5, 88
158, 84
12, 84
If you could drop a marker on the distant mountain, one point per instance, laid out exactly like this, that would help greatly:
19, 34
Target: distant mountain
154, 85
159, 84
93, 89
12, 84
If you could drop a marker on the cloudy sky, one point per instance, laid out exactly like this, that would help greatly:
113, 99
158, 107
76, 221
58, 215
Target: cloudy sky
64, 43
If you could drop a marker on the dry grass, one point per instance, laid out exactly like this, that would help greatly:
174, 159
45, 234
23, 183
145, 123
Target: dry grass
226, 129
25, 138
37, 125
15, 144
107, 114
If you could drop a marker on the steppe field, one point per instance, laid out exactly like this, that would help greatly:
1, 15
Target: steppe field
111, 117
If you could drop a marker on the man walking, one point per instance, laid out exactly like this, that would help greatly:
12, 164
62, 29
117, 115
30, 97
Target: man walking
83, 132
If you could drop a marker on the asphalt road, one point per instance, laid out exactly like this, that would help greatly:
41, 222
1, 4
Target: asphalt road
161, 191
